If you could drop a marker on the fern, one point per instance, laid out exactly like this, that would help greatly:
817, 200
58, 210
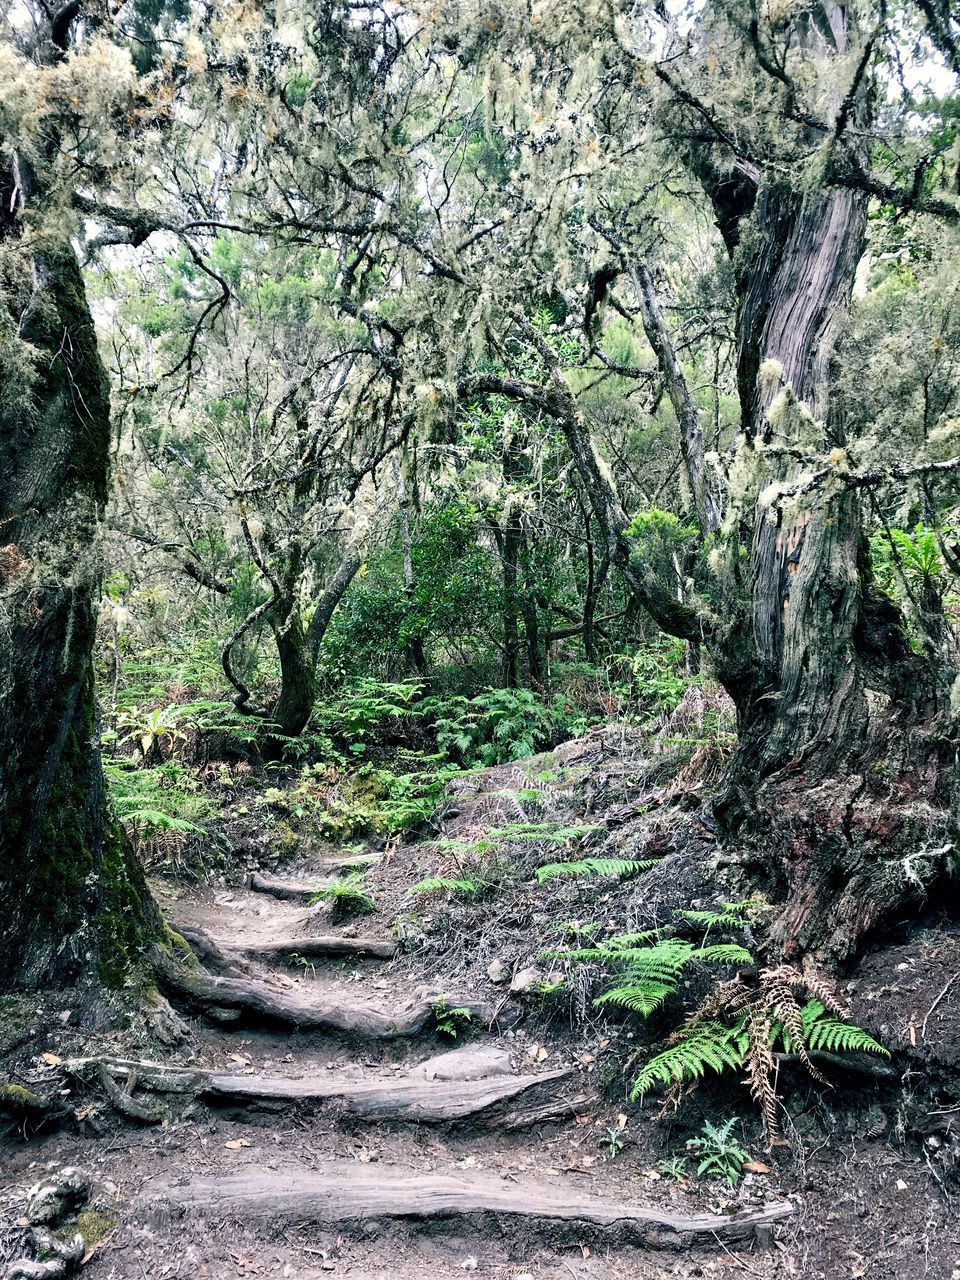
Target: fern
830, 1035
614, 867
441, 884
641, 995
709, 1047
347, 898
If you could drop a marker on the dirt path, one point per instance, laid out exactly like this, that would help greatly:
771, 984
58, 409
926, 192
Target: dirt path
316, 1121
320, 1123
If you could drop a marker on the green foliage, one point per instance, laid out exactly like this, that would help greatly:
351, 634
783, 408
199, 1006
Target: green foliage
709, 1046
720, 1155
361, 712
674, 1168
647, 975
502, 725
821, 1032
151, 802
347, 898
730, 915
613, 1141
450, 1021
614, 868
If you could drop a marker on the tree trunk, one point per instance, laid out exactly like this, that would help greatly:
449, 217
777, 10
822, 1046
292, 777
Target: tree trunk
827, 689
415, 649
74, 901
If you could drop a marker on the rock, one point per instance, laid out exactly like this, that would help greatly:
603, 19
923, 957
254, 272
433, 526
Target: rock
497, 971
526, 980
470, 1062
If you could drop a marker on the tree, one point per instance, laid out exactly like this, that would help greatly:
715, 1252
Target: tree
75, 901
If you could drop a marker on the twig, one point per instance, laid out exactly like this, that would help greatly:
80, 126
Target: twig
949, 984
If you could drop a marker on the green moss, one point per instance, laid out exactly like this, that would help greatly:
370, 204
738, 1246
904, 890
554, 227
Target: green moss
15, 1097
93, 1225
176, 944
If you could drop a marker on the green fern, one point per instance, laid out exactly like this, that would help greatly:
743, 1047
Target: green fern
613, 867
730, 916
710, 1046
441, 884
831, 1035
641, 995
347, 898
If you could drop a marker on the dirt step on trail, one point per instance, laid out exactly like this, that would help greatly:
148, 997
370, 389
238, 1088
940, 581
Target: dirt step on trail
317, 1123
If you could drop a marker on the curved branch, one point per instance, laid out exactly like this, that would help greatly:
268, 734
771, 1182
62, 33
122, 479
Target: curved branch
243, 695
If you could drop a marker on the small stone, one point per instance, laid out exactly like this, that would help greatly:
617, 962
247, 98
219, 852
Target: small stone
526, 980
497, 971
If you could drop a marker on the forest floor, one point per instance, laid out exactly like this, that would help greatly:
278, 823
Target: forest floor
371, 1144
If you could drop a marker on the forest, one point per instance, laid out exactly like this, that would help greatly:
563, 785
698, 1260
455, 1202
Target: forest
480, 639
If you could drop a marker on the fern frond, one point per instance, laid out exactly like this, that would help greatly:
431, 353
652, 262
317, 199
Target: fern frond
440, 884
709, 1047
833, 1036
643, 997
615, 867
724, 953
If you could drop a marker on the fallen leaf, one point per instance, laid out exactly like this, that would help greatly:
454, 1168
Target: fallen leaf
242, 1058
585, 1251
651, 1175
542, 1053
621, 1121
22, 1222
51, 1059
236, 1143
756, 1166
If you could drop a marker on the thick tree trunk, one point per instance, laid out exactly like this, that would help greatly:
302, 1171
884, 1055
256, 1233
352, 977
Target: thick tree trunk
828, 691
73, 902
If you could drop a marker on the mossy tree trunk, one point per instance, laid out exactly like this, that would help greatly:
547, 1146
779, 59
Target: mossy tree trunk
73, 901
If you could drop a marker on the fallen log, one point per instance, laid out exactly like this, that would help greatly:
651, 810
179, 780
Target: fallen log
312, 1011
344, 1195
411, 1100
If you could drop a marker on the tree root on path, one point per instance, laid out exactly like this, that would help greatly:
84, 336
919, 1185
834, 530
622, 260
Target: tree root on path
229, 956
287, 890
330, 1012
506, 1101
316, 948
342, 1195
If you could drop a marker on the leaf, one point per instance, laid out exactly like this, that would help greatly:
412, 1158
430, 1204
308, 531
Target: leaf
756, 1166
51, 1059
236, 1143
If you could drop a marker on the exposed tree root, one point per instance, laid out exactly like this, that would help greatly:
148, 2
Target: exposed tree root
350, 862
287, 890
229, 957
505, 1101
345, 1194
316, 948
326, 1011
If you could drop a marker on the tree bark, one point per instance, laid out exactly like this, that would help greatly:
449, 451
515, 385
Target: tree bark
74, 901
828, 692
